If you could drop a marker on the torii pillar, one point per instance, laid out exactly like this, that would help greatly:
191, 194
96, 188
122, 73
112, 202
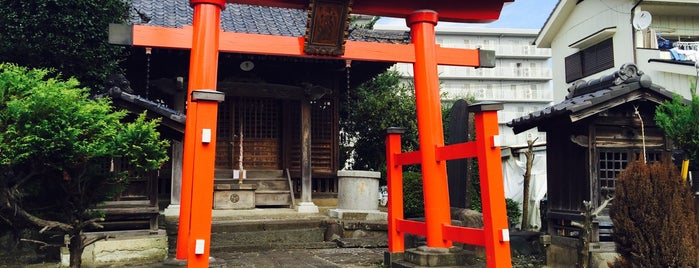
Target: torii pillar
194, 230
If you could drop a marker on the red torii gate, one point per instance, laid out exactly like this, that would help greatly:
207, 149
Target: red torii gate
206, 40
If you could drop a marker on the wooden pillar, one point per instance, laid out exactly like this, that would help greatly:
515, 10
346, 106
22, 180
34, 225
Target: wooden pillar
394, 178
196, 155
429, 125
306, 205
495, 229
306, 179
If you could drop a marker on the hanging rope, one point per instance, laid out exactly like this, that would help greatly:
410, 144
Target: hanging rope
643, 133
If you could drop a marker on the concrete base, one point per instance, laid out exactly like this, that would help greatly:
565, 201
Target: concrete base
172, 211
564, 251
234, 196
126, 246
350, 214
213, 263
307, 207
392, 257
428, 257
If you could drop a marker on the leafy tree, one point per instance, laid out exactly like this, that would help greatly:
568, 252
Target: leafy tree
653, 216
54, 143
383, 102
680, 122
66, 35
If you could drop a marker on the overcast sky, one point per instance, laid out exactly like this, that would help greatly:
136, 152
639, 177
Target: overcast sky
523, 14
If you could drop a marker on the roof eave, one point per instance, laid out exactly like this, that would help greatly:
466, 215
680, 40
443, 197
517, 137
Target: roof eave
554, 22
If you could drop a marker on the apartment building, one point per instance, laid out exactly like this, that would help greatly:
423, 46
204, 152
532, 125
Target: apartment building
521, 79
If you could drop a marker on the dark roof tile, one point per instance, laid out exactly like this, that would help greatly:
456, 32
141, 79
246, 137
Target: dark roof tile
588, 95
247, 19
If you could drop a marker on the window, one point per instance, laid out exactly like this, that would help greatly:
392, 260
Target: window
612, 162
589, 61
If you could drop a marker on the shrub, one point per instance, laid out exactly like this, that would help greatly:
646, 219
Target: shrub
413, 202
653, 216
514, 213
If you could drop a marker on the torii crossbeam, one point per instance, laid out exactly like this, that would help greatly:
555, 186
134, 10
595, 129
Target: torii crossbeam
206, 40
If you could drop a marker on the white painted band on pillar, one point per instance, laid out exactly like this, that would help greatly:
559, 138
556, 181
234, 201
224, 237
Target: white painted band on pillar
504, 235
199, 247
206, 135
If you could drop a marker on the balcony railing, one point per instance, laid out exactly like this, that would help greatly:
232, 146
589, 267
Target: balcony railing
521, 94
519, 50
497, 72
485, 73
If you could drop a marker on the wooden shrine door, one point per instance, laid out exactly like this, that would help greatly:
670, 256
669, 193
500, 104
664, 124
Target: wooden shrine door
258, 120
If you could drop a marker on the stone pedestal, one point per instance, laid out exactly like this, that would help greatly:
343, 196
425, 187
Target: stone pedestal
429, 257
358, 196
307, 207
234, 196
122, 247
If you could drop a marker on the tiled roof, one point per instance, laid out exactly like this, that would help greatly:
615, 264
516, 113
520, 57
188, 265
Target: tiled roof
584, 96
245, 19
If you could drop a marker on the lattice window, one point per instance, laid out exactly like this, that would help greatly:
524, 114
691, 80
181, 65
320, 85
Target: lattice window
260, 122
612, 162
259, 118
224, 135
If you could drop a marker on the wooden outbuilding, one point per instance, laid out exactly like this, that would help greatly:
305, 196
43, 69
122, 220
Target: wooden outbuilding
592, 135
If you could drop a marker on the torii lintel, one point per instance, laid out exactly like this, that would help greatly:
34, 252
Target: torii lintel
232, 42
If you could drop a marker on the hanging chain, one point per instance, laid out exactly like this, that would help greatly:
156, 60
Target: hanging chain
348, 66
148, 53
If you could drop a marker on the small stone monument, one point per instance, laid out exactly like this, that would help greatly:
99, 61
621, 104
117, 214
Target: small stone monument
358, 196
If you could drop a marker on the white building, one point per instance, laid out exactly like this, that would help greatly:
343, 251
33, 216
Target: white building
521, 81
589, 39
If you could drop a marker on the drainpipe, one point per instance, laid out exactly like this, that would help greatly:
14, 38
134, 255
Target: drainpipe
633, 31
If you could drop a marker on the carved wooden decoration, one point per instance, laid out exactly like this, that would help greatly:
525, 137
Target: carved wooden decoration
326, 30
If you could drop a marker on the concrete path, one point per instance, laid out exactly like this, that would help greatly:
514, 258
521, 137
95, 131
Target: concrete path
283, 258
333, 257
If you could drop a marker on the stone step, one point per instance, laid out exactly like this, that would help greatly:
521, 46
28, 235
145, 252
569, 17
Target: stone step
271, 186
265, 223
260, 183
215, 249
269, 233
272, 198
264, 238
363, 242
228, 173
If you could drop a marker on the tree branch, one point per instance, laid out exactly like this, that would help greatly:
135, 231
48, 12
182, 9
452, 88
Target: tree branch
42, 243
45, 224
91, 223
24, 179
